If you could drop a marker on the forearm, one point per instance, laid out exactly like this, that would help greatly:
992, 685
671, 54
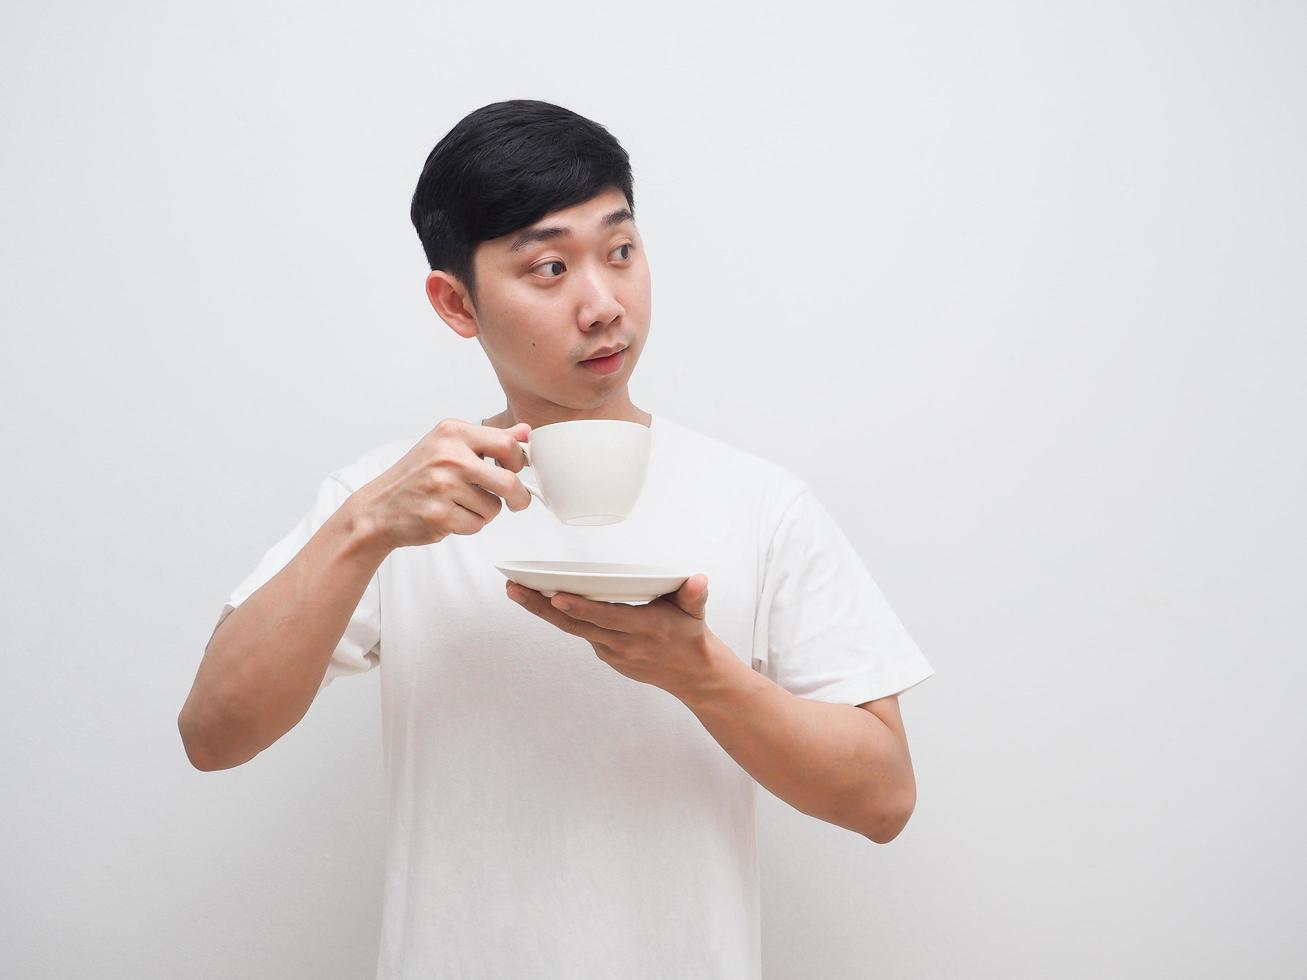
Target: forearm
835, 762
264, 665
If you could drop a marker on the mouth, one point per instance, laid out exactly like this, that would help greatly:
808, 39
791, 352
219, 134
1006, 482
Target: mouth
607, 364
603, 352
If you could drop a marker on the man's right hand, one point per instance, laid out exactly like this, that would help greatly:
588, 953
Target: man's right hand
442, 486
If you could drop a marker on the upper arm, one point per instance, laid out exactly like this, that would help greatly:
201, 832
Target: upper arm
886, 710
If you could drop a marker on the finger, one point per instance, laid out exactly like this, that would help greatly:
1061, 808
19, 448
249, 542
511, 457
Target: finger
477, 500
503, 445
611, 616
535, 603
501, 482
692, 596
460, 520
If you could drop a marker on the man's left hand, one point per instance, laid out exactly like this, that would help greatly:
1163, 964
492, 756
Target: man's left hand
665, 642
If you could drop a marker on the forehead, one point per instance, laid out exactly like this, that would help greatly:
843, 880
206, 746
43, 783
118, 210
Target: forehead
605, 210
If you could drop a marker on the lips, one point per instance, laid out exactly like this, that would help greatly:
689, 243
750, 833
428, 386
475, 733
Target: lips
604, 352
605, 365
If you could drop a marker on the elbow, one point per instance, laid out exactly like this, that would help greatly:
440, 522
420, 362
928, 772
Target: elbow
213, 746
890, 819
194, 752
197, 751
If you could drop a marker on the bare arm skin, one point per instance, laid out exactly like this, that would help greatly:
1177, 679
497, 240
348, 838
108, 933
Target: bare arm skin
265, 663
847, 765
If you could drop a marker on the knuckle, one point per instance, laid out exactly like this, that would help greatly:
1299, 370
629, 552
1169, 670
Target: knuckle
444, 453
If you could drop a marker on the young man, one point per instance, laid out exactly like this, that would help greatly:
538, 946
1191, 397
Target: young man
571, 784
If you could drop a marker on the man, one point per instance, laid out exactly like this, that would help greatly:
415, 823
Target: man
571, 784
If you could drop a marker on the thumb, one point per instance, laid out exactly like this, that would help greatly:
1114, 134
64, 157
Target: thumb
692, 596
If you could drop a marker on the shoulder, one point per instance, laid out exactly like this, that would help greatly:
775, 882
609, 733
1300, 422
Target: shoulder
772, 485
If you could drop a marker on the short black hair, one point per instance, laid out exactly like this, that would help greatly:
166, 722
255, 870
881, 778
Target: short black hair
504, 167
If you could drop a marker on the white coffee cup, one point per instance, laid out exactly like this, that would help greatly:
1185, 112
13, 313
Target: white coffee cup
587, 472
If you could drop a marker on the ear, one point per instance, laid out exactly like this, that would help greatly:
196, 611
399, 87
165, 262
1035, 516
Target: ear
452, 303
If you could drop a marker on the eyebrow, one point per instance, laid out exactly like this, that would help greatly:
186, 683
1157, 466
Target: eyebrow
530, 235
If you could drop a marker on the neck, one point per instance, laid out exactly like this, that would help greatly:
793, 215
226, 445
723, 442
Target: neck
546, 414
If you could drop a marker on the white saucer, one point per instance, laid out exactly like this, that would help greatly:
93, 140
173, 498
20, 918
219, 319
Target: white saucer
598, 580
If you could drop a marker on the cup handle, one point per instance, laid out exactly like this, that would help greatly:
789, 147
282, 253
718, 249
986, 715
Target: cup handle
532, 490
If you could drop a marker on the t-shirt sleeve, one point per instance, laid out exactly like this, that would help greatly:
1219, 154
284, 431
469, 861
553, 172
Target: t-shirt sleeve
359, 649
824, 630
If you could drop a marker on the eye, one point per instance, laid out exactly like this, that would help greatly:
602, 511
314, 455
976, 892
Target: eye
553, 262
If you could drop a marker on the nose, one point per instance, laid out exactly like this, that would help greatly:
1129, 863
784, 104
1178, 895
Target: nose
599, 305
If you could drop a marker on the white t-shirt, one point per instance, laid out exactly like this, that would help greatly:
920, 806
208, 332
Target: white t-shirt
548, 816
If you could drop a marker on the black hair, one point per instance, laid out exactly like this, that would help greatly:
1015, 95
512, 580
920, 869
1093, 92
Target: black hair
504, 167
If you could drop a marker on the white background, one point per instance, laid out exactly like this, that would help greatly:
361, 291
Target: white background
1018, 288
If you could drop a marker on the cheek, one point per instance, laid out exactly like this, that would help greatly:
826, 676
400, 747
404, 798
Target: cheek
641, 296
525, 315
538, 311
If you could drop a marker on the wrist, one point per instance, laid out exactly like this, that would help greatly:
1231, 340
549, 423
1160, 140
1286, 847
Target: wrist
725, 679
363, 535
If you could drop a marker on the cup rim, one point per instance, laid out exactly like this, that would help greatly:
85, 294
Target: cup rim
541, 428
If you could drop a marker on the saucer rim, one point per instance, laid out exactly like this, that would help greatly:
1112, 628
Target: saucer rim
663, 573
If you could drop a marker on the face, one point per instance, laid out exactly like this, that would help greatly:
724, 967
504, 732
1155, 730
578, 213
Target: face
548, 299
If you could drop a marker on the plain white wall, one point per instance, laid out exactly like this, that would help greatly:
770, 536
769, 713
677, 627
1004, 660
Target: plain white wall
1018, 288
